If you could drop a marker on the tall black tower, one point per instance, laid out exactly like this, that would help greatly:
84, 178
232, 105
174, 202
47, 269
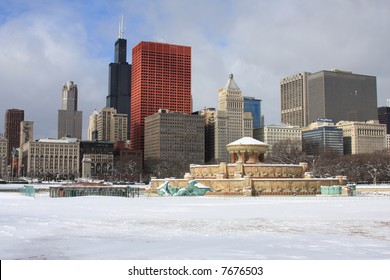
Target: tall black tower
119, 79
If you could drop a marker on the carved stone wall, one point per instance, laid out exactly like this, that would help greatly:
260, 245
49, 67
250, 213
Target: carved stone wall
241, 170
254, 187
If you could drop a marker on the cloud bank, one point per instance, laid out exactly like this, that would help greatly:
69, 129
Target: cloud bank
43, 45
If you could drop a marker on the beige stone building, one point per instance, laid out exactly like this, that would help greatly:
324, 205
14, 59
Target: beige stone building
388, 142
272, 134
3, 157
293, 95
174, 136
26, 132
92, 126
50, 157
231, 122
111, 126
119, 127
363, 137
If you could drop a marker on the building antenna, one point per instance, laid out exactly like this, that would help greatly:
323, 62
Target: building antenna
121, 28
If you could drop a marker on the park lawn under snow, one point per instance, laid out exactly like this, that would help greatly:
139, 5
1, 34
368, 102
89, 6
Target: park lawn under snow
275, 228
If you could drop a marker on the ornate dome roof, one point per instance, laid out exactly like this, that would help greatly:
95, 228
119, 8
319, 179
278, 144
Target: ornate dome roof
247, 141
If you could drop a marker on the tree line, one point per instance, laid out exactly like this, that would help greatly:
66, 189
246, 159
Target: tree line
361, 168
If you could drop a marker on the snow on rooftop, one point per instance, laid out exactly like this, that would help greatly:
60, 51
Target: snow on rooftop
247, 141
58, 141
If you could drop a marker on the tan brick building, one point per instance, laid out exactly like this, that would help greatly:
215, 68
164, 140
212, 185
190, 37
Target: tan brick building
363, 137
50, 158
174, 136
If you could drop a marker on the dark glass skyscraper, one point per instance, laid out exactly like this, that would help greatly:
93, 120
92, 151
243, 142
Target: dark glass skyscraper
341, 96
119, 80
384, 117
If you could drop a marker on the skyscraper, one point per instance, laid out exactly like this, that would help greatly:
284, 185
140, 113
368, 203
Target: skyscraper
111, 126
69, 119
13, 117
119, 79
341, 96
293, 96
253, 106
231, 122
173, 136
93, 127
161, 79
384, 116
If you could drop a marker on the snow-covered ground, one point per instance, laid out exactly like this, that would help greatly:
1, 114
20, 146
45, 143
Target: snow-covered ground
275, 228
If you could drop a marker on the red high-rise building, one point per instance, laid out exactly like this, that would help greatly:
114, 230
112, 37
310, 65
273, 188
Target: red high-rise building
161, 79
13, 118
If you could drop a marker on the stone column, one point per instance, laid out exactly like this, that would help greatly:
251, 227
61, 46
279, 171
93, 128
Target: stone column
232, 157
247, 187
243, 156
86, 167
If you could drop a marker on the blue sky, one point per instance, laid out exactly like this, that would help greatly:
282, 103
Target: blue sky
43, 44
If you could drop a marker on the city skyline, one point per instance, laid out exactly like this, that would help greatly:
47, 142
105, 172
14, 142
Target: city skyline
45, 44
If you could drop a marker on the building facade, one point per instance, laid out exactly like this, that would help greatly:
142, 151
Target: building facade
388, 143
384, 117
3, 157
272, 134
111, 126
92, 126
322, 136
341, 96
101, 156
363, 137
119, 80
253, 105
293, 96
174, 136
161, 79
209, 132
13, 117
128, 163
50, 158
231, 121
69, 119
26, 132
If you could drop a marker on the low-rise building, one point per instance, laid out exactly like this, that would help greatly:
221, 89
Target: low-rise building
272, 134
50, 158
363, 137
102, 158
322, 136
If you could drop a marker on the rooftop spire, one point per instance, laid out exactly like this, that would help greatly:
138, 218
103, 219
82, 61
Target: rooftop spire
231, 84
121, 28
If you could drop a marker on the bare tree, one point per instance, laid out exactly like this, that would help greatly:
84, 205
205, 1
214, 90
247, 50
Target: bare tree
286, 152
166, 168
